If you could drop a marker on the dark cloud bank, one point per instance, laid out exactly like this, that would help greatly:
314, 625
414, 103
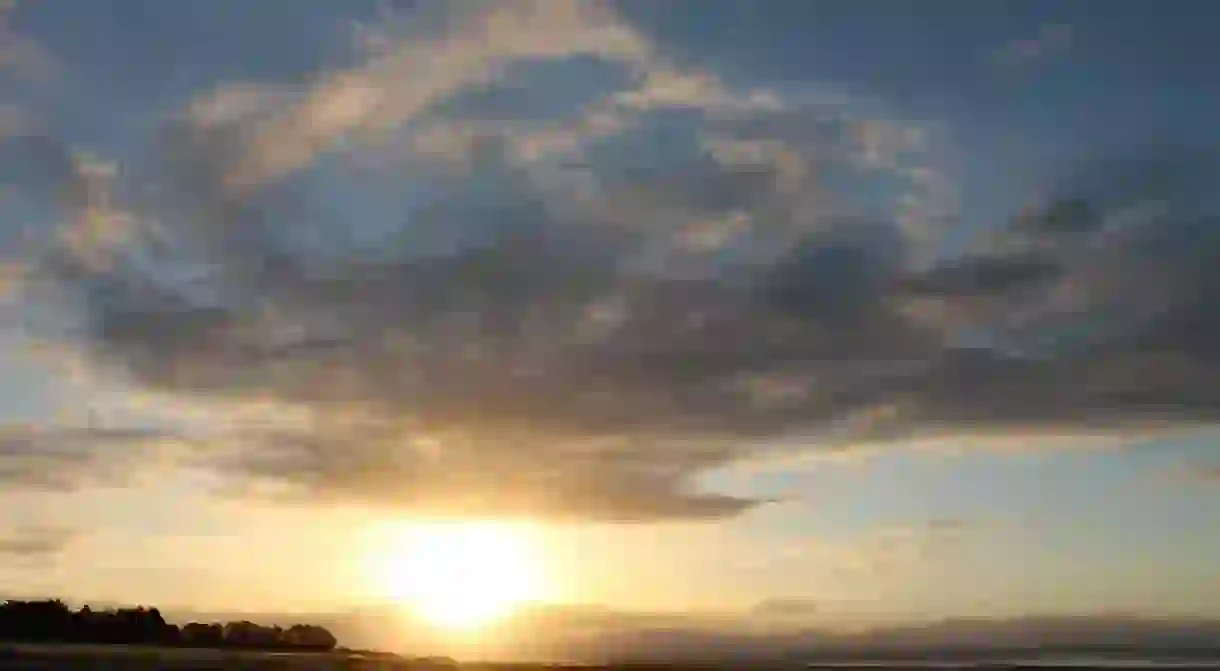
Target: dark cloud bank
502, 346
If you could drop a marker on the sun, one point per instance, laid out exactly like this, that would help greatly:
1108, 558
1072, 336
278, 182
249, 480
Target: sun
462, 575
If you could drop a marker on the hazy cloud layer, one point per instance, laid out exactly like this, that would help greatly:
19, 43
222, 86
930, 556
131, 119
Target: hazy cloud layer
30, 544
56, 458
464, 283
592, 634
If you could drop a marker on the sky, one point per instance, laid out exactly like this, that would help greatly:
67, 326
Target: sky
863, 311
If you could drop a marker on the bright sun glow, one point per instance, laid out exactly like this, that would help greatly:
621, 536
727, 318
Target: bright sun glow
462, 575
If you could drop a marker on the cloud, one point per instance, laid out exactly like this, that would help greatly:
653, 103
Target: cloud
596, 635
12, 121
537, 315
888, 550
80, 193
1207, 473
18, 53
1199, 473
1050, 41
668, 87
785, 608
35, 543
466, 48
58, 458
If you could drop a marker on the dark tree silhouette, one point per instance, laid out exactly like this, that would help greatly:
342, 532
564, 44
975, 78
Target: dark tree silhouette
53, 621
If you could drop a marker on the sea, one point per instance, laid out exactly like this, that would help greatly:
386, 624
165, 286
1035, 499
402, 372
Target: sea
1025, 663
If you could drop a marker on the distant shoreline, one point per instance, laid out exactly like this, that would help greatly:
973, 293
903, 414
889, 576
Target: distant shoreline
54, 646
56, 653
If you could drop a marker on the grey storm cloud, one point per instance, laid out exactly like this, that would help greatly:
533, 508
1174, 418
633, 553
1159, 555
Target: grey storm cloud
509, 347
